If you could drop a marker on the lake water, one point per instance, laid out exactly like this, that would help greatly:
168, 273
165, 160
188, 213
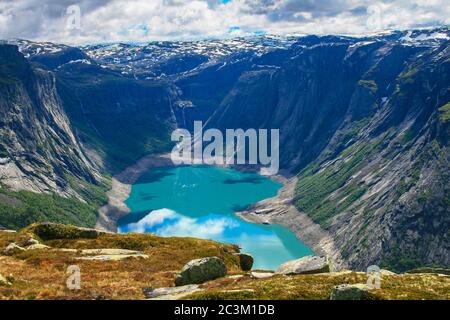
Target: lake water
201, 201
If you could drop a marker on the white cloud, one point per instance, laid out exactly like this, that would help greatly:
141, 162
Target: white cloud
151, 220
181, 226
143, 20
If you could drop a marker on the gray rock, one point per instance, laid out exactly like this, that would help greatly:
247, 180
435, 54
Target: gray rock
245, 261
38, 246
261, 275
201, 270
13, 248
385, 272
111, 254
349, 292
305, 265
172, 293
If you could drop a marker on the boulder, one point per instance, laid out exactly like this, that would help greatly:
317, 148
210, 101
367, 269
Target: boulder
305, 265
53, 231
245, 261
13, 248
172, 293
385, 272
111, 254
108, 251
201, 270
37, 246
349, 292
261, 275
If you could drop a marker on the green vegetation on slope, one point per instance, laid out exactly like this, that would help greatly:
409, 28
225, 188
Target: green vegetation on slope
369, 84
19, 209
315, 188
444, 115
93, 194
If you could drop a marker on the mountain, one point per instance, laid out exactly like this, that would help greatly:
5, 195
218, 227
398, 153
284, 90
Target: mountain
364, 123
39, 151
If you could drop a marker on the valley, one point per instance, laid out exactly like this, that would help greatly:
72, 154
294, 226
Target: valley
363, 126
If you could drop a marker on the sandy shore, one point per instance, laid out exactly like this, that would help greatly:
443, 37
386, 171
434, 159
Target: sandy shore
109, 215
277, 210
281, 210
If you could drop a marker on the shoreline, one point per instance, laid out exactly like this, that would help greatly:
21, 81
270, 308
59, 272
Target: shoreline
110, 214
276, 210
281, 210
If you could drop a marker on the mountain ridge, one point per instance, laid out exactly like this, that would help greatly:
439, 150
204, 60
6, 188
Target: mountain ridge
363, 123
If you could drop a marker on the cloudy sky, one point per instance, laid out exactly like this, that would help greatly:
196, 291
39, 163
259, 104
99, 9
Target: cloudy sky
147, 20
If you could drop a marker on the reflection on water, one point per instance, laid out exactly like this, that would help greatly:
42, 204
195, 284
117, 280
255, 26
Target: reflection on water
200, 201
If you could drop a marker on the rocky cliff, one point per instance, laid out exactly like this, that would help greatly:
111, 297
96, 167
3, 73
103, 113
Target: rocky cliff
38, 146
363, 122
66, 123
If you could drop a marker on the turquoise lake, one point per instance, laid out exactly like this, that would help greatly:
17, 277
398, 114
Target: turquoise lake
201, 201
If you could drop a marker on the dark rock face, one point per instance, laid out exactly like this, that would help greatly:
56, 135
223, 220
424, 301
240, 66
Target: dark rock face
201, 270
245, 261
119, 119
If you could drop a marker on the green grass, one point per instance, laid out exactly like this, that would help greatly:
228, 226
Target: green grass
369, 84
444, 113
19, 209
399, 261
355, 129
408, 76
315, 185
407, 136
93, 194
3, 152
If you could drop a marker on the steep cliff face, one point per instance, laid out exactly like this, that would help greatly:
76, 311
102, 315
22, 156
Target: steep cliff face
118, 119
38, 146
364, 124
65, 123
44, 173
381, 185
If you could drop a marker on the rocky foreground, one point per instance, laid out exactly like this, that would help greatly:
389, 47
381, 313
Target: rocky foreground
35, 261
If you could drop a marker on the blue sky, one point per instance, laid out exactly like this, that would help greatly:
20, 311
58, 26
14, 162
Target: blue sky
143, 20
